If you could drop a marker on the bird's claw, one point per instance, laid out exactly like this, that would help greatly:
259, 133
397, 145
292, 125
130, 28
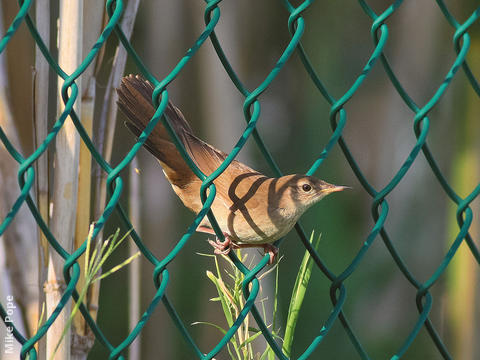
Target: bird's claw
222, 247
272, 251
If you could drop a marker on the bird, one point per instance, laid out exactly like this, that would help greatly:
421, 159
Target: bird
251, 209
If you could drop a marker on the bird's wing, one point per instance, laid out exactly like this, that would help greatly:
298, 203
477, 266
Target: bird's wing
208, 158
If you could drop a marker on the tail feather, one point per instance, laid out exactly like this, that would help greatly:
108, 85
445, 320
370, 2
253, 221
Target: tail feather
135, 101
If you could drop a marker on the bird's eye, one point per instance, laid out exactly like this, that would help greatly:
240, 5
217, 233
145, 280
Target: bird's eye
306, 187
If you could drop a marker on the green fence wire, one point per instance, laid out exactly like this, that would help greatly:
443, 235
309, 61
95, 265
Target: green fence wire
251, 110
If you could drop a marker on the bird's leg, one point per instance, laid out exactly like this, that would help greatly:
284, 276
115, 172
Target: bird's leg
220, 247
269, 249
224, 247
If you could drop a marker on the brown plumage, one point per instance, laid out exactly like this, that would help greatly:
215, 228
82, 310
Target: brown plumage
251, 208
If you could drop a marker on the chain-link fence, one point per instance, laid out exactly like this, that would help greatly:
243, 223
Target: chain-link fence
421, 125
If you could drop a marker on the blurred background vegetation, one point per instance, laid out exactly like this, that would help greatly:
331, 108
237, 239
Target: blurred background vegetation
294, 123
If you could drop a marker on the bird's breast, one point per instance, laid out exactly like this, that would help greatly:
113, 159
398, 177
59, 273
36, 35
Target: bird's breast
244, 211
257, 226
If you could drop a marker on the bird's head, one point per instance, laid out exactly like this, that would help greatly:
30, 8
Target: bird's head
302, 191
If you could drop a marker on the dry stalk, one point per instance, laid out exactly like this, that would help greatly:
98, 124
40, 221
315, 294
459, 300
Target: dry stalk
108, 118
40, 126
106, 131
134, 268
82, 338
20, 262
83, 212
66, 159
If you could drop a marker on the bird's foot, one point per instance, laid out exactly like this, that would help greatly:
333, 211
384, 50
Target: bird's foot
269, 249
222, 247
272, 251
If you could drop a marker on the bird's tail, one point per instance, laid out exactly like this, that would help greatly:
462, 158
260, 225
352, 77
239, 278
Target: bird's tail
135, 101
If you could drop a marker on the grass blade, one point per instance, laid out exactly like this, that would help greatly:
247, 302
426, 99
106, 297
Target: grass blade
118, 267
298, 294
219, 328
250, 339
223, 299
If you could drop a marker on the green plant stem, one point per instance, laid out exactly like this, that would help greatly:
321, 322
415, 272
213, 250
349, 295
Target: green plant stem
298, 294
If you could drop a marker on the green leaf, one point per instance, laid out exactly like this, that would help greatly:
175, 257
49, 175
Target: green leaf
268, 352
42, 315
222, 330
87, 252
226, 308
298, 294
206, 255
250, 339
94, 263
118, 267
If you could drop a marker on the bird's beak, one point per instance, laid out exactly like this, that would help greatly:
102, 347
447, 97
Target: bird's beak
334, 188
